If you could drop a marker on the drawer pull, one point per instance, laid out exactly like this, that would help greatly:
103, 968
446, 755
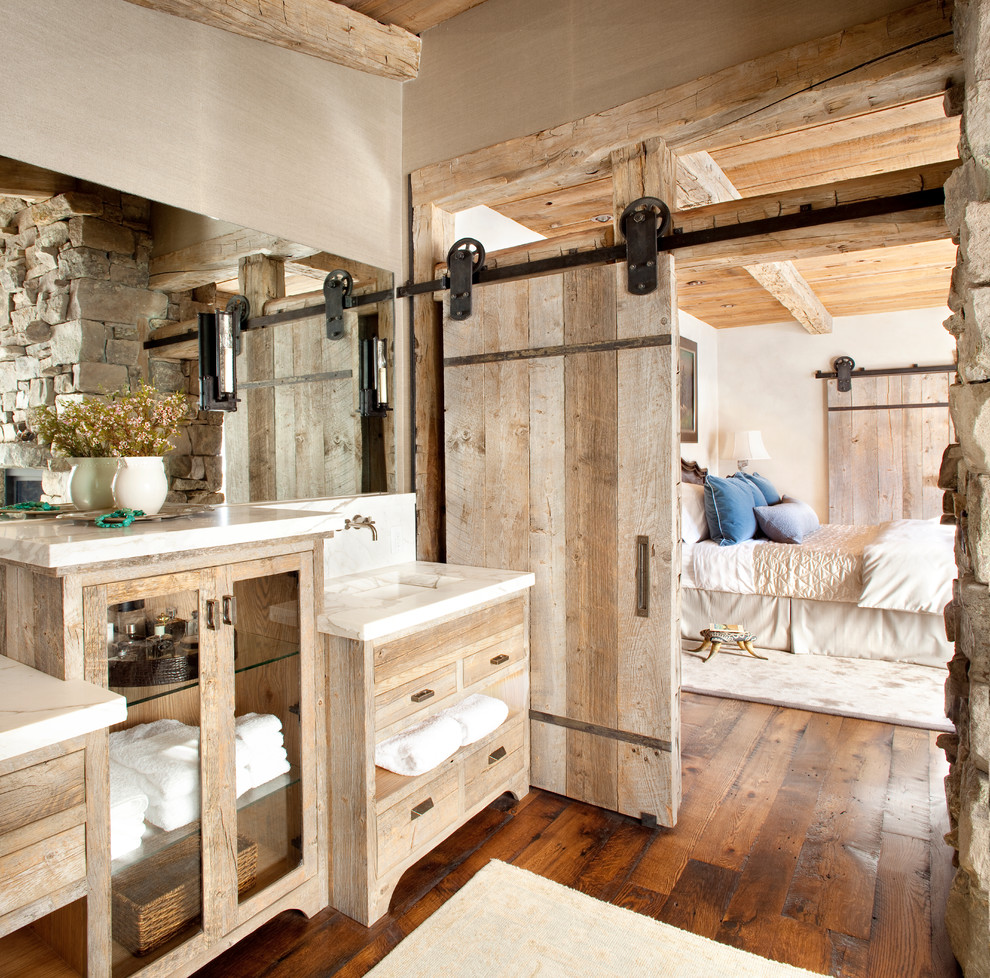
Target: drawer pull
421, 809
499, 659
423, 694
496, 755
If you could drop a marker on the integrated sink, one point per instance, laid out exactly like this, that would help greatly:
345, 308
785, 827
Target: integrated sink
388, 586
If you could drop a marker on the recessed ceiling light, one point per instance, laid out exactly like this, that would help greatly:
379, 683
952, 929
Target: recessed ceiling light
697, 281
603, 218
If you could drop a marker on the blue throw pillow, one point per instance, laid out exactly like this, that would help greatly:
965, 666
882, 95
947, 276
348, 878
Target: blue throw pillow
729, 510
765, 486
789, 521
758, 498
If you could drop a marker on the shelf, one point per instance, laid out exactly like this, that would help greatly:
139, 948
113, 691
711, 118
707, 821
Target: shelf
25, 955
156, 839
253, 652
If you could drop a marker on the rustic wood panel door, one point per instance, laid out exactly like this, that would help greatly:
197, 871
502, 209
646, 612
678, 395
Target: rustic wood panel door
560, 435
886, 437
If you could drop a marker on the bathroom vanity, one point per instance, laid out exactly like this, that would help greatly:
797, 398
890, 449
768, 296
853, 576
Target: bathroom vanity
238, 593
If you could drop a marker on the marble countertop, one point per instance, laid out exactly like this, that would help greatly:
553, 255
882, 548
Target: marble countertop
64, 542
377, 603
37, 710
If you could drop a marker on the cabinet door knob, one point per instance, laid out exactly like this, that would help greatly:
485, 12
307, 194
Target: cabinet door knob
423, 694
496, 755
421, 809
499, 659
228, 609
211, 615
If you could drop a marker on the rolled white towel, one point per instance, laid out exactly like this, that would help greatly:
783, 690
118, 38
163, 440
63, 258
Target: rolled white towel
477, 715
127, 800
420, 748
259, 730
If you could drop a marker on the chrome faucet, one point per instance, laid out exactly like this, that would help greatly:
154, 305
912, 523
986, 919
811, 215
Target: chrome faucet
358, 521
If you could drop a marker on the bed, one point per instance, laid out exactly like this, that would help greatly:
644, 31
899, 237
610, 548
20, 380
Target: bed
853, 591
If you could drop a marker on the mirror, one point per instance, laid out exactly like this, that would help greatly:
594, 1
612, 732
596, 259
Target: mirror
99, 288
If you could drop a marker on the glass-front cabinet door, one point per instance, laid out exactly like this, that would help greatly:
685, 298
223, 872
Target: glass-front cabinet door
220, 731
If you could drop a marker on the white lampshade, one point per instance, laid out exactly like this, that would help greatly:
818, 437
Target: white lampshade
749, 445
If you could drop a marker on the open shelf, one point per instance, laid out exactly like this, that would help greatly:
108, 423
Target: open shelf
156, 839
252, 652
25, 955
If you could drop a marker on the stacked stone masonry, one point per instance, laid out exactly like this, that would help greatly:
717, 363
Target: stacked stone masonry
75, 309
965, 476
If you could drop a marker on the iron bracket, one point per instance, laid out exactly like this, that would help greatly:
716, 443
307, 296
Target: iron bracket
337, 288
464, 260
640, 227
240, 308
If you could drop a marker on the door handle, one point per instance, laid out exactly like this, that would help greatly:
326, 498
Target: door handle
642, 577
211, 615
228, 609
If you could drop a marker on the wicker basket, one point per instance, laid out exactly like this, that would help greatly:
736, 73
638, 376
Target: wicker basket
155, 899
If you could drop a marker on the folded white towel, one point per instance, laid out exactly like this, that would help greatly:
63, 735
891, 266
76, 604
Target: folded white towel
421, 747
259, 730
165, 753
477, 715
170, 813
127, 800
122, 843
267, 766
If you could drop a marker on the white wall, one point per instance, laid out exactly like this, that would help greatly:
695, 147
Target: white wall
705, 452
766, 380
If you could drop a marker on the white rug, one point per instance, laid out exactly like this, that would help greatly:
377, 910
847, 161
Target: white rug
509, 923
894, 692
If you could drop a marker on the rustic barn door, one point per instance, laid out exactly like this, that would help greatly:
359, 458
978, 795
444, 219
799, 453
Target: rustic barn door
560, 429
885, 442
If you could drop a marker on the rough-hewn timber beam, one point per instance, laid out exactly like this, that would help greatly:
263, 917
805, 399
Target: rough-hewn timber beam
23, 180
318, 28
217, 259
781, 279
896, 60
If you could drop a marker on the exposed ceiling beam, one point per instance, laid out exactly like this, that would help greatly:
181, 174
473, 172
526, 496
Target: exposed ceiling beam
314, 27
781, 279
216, 260
33, 182
898, 59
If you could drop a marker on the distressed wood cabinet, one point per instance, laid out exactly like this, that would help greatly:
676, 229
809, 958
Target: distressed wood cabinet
381, 822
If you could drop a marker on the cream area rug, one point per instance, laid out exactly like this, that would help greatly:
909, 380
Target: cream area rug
893, 692
509, 923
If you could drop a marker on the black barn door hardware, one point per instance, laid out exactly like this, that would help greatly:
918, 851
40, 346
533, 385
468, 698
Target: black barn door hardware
219, 344
639, 225
843, 367
939, 368
337, 289
464, 260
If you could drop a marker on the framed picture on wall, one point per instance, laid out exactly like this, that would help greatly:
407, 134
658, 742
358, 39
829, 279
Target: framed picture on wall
687, 372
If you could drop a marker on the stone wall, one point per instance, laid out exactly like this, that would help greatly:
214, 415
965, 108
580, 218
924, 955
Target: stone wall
75, 309
966, 477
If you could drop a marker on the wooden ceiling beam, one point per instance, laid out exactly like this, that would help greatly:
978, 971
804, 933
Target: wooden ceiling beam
781, 279
32, 182
902, 58
318, 28
217, 259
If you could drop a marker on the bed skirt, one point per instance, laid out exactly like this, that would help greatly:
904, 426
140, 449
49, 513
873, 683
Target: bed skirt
820, 627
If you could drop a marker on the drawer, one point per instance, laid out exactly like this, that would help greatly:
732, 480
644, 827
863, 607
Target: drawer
402, 660
423, 694
42, 869
416, 820
41, 790
479, 666
489, 768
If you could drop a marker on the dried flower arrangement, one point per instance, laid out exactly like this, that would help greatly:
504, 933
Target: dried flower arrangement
125, 424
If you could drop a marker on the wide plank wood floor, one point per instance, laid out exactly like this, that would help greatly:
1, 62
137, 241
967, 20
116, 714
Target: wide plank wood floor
807, 838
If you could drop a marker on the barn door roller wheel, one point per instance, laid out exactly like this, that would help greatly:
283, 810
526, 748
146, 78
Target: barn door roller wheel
464, 260
337, 288
643, 223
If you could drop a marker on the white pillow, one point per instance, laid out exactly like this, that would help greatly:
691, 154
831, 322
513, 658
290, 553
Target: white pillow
694, 524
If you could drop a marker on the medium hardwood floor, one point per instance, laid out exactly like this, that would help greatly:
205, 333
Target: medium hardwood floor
811, 839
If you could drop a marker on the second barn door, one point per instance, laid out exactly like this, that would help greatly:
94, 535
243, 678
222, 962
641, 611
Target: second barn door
561, 458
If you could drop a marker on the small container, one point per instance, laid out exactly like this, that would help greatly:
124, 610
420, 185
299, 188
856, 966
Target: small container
128, 614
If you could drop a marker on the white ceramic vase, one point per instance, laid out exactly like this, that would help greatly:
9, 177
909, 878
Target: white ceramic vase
141, 483
91, 483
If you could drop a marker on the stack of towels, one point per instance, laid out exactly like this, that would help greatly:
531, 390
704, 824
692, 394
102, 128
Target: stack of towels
430, 742
128, 803
160, 761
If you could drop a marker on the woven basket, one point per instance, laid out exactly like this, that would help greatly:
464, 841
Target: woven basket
155, 899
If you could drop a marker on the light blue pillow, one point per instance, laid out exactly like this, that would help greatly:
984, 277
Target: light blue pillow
765, 486
729, 510
790, 521
758, 498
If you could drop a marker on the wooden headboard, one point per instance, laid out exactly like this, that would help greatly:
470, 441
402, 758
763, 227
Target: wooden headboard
692, 472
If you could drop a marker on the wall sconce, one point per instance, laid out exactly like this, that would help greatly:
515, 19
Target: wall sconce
843, 367
748, 446
218, 359
373, 397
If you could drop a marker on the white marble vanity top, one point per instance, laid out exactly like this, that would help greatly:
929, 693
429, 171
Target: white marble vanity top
63, 542
376, 603
37, 710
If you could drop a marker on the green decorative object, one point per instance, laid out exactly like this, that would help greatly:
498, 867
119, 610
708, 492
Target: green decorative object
118, 519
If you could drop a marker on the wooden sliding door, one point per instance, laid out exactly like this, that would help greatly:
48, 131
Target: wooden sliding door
560, 430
